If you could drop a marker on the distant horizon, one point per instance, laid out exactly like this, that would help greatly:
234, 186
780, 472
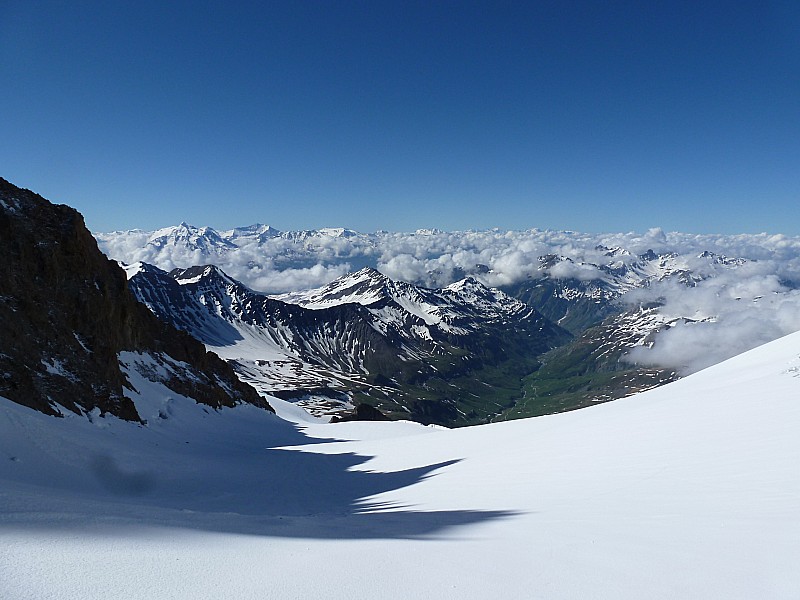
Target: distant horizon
441, 230
88, 218
264, 223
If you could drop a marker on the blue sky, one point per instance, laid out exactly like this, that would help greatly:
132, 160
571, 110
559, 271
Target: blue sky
591, 116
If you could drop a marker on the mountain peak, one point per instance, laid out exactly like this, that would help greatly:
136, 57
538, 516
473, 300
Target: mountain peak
469, 282
139, 267
649, 255
612, 251
364, 286
259, 231
202, 273
337, 232
206, 240
369, 272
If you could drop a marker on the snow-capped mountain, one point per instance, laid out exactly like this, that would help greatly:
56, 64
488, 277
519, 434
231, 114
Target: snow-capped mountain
211, 243
413, 352
257, 232
577, 295
744, 290
424, 257
309, 235
570, 278
279, 347
204, 239
460, 308
597, 300
615, 313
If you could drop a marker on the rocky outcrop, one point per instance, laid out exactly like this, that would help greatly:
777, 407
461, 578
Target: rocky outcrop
362, 412
66, 313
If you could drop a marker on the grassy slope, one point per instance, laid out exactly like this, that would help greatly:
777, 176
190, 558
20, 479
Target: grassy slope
583, 372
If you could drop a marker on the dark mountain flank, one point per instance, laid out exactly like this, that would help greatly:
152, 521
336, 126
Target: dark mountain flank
66, 314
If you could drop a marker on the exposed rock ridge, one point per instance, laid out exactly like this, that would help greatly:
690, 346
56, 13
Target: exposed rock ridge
66, 313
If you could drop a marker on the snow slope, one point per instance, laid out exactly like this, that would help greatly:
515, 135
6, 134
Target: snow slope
691, 490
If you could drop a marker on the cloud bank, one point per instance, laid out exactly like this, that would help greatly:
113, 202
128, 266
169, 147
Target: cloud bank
734, 305
722, 316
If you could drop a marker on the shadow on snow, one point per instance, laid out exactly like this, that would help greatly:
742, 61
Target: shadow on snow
239, 486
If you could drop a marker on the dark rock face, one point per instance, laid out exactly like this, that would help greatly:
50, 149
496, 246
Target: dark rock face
575, 314
363, 412
66, 313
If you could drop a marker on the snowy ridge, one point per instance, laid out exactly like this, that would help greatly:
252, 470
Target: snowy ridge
204, 239
364, 287
257, 232
239, 324
449, 309
610, 280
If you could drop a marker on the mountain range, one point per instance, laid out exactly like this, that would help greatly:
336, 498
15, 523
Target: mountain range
569, 334
452, 356
417, 352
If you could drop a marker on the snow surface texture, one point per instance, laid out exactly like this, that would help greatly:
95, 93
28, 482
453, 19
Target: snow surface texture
690, 490
745, 294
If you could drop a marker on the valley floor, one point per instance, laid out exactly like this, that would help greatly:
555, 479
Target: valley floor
691, 490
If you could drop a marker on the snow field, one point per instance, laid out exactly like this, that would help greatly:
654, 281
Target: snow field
691, 490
